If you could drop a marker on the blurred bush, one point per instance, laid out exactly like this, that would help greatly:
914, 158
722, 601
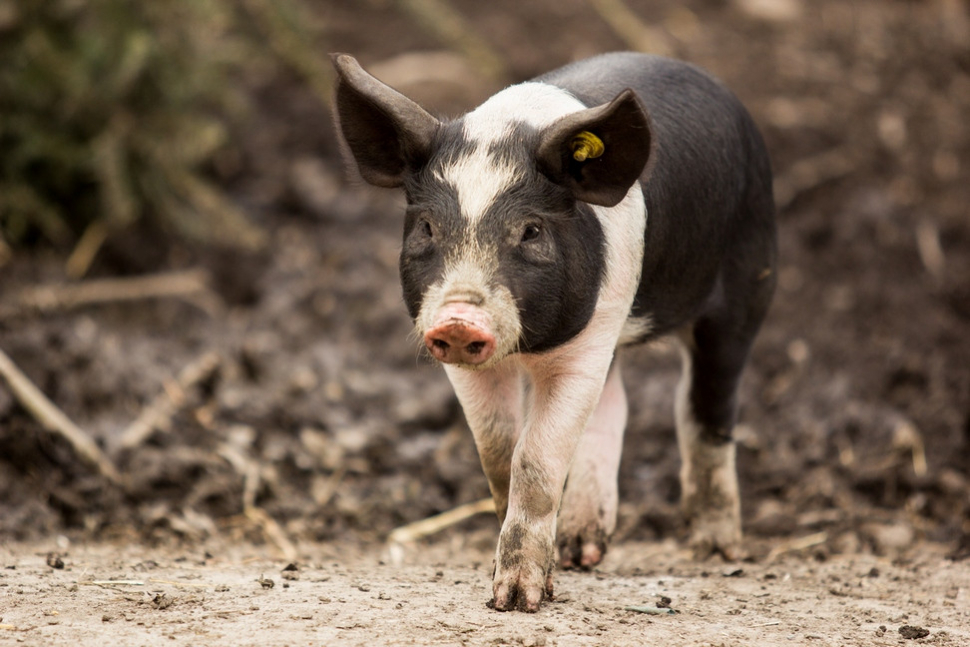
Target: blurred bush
112, 110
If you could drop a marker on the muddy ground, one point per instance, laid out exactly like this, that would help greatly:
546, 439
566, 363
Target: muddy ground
322, 428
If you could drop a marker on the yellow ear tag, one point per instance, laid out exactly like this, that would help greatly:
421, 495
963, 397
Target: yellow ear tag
586, 145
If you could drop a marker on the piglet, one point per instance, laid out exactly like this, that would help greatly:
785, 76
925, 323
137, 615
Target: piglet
613, 201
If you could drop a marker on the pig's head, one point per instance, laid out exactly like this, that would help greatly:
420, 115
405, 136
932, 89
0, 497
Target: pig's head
502, 251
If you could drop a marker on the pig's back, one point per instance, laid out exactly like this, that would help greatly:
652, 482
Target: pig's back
708, 164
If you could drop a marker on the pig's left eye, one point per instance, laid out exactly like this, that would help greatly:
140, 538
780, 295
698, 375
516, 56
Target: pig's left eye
426, 228
531, 232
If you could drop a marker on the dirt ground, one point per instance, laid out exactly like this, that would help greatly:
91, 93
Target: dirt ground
233, 595
316, 427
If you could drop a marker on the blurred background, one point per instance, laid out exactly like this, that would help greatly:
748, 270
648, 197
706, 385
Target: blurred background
190, 278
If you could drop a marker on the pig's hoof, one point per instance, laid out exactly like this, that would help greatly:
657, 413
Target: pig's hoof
523, 570
716, 537
582, 551
515, 593
713, 512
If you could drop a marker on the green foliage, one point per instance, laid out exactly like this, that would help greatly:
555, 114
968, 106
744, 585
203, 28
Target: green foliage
109, 109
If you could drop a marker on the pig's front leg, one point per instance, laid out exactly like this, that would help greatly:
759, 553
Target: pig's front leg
492, 402
587, 517
565, 391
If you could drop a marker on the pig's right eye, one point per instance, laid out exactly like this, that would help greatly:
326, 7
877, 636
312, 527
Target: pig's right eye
425, 228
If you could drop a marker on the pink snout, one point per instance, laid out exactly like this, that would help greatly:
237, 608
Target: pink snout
460, 336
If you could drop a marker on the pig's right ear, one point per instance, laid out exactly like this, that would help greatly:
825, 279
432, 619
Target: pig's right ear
385, 131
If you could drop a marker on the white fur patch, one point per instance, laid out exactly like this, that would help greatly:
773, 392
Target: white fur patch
479, 178
623, 227
537, 104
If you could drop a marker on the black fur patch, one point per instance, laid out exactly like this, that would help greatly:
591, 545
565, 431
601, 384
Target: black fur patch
431, 201
554, 278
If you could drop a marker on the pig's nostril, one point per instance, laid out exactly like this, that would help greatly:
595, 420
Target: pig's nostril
457, 340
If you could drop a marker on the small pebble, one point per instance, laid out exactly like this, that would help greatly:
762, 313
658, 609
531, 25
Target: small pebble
911, 632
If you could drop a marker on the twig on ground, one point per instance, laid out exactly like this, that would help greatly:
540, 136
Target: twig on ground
287, 35
251, 478
800, 543
158, 414
907, 438
437, 523
53, 419
200, 585
5, 252
323, 493
631, 29
930, 250
189, 284
439, 18
810, 172
79, 262
650, 610
412, 68
273, 531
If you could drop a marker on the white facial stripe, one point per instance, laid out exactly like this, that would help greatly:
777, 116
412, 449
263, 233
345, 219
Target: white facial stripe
479, 178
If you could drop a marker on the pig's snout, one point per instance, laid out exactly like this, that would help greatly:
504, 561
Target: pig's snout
461, 335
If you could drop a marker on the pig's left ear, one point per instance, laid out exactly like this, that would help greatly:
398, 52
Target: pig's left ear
600, 152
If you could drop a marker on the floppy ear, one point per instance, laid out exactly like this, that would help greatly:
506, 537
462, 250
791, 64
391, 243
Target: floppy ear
385, 131
600, 152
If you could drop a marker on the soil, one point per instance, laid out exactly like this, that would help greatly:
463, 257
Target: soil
854, 442
232, 595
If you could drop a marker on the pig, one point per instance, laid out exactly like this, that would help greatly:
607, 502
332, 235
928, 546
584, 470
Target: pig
614, 201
